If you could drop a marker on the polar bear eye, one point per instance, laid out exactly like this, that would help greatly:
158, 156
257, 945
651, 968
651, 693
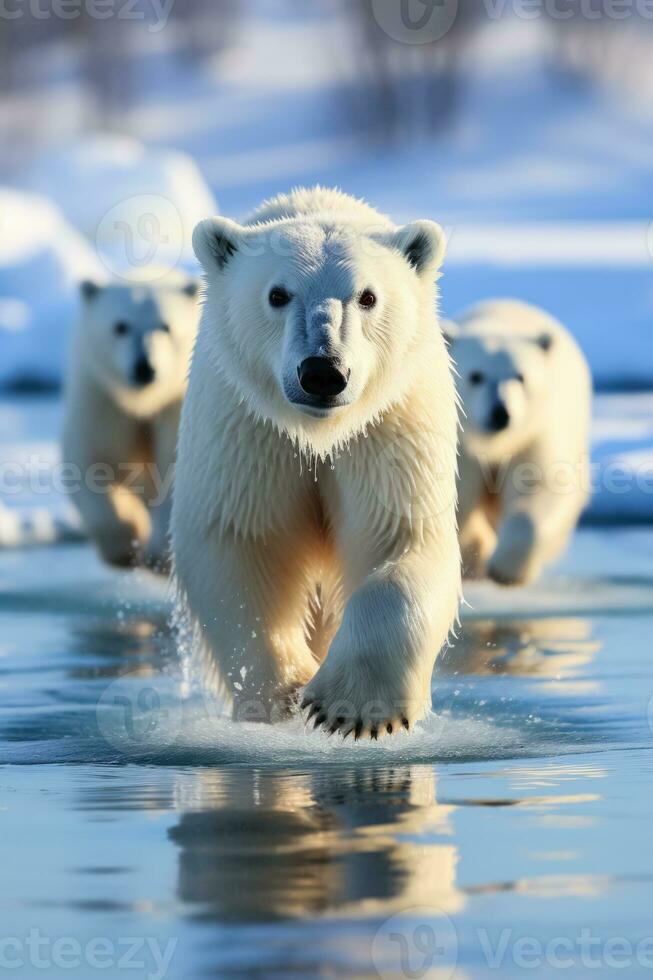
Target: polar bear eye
477, 378
279, 297
367, 299
165, 327
520, 378
121, 328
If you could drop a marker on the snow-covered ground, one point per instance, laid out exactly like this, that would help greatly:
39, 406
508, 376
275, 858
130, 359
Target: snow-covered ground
622, 457
42, 259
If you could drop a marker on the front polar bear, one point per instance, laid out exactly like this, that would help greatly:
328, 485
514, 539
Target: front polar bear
524, 468
126, 378
314, 530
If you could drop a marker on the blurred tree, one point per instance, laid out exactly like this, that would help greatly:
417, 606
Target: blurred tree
205, 27
611, 50
405, 86
105, 56
105, 61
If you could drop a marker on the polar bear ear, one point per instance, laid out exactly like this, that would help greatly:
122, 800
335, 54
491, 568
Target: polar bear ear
423, 244
88, 289
215, 240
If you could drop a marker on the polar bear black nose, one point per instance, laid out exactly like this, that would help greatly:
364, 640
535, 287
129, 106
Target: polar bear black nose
319, 376
143, 371
499, 417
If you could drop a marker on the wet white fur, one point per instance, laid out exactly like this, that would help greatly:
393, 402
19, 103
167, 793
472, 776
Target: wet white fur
538, 467
110, 423
305, 542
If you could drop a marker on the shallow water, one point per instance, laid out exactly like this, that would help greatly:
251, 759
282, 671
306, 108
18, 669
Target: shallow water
144, 834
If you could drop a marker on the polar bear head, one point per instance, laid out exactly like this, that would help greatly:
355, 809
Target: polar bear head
318, 321
502, 382
138, 339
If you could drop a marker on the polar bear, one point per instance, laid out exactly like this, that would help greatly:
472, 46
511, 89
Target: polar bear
314, 529
125, 381
524, 469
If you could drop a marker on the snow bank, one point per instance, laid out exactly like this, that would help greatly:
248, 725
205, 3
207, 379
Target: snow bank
41, 261
100, 208
137, 205
33, 506
622, 459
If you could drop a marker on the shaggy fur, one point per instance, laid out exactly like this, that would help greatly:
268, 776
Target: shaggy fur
119, 433
319, 548
521, 488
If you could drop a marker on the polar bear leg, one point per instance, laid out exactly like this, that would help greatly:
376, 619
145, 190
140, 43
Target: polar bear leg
157, 552
534, 530
477, 542
376, 677
116, 520
476, 535
325, 613
166, 426
250, 602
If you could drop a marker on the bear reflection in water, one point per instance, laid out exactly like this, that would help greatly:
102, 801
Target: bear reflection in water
555, 648
263, 846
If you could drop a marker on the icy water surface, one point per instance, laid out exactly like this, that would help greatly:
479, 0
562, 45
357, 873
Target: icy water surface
145, 835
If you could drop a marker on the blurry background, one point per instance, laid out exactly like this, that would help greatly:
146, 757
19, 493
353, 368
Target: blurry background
525, 128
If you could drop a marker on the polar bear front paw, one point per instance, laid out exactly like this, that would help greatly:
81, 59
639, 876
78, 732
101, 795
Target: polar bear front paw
514, 561
343, 699
119, 545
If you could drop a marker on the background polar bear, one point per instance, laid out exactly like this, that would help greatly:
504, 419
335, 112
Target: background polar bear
524, 469
314, 514
125, 381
